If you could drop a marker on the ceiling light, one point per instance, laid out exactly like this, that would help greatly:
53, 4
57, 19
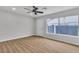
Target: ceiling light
13, 8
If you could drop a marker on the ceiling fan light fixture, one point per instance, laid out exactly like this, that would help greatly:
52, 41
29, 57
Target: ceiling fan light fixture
35, 10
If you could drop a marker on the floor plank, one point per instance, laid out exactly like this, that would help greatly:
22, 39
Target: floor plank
35, 44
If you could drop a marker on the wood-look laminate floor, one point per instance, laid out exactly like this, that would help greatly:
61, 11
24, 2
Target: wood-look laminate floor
35, 44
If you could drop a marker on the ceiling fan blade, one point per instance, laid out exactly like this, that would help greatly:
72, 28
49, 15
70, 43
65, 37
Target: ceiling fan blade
39, 12
27, 9
28, 12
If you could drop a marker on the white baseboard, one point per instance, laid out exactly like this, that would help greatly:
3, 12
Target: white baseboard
16, 37
71, 40
67, 39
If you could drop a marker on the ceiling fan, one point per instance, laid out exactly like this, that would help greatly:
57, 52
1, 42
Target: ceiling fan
34, 10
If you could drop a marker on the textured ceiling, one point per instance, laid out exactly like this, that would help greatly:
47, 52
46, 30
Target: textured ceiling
49, 9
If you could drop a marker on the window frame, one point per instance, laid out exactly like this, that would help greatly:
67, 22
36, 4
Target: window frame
59, 23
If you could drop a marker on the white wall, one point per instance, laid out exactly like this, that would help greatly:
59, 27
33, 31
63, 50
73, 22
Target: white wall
41, 27
14, 26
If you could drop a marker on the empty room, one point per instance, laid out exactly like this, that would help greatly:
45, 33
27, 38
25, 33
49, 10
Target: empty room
39, 29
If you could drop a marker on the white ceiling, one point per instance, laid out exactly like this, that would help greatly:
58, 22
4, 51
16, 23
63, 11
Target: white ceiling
49, 10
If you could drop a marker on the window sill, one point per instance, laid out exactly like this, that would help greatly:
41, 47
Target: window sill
63, 35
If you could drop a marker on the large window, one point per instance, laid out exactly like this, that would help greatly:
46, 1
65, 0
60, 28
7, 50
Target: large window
63, 25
